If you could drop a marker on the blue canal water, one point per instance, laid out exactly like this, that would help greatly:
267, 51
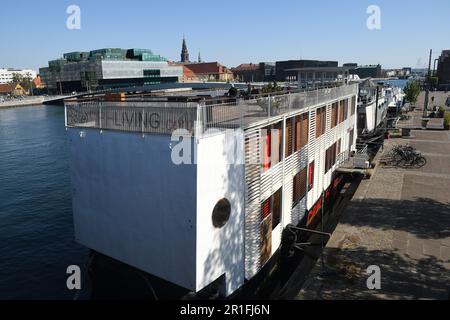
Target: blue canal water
398, 83
36, 228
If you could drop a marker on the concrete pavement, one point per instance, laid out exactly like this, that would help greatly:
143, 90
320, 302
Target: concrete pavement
400, 221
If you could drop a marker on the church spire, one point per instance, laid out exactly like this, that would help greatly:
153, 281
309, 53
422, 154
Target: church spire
184, 51
199, 58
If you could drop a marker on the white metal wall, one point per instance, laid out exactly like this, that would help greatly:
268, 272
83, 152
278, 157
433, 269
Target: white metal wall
220, 174
132, 203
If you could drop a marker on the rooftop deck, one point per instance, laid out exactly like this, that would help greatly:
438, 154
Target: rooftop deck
197, 114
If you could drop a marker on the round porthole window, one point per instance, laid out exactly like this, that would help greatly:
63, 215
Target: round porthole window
221, 213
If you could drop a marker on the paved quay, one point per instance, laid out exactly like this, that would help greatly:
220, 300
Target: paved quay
22, 103
398, 220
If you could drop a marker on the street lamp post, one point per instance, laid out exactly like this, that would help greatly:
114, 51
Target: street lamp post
427, 94
434, 67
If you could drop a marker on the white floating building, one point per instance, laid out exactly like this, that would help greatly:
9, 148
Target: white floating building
211, 201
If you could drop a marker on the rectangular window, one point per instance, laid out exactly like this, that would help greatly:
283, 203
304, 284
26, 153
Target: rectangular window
324, 119
272, 208
299, 184
320, 121
298, 133
350, 142
345, 109
152, 72
271, 145
276, 208
305, 130
289, 136
277, 143
301, 131
266, 148
311, 176
334, 114
265, 210
341, 111
330, 157
353, 111
266, 239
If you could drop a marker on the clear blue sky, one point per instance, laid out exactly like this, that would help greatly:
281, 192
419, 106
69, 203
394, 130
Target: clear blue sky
232, 32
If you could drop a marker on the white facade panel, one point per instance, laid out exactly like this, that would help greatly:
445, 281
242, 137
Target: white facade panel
133, 204
220, 175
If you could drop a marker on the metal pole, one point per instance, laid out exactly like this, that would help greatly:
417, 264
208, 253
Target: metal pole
427, 94
434, 67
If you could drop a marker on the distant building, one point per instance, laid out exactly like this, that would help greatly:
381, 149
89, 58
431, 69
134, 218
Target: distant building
108, 68
390, 73
407, 71
6, 75
282, 68
269, 70
189, 75
443, 71
210, 71
38, 82
372, 71
12, 90
319, 76
401, 73
350, 65
249, 72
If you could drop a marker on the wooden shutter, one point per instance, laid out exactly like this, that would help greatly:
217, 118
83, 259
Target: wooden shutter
266, 237
303, 181
324, 119
276, 208
311, 176
318, 122
305, 130
334, 114
289, 137
298, 133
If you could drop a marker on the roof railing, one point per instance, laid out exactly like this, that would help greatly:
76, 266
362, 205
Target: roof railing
164, 115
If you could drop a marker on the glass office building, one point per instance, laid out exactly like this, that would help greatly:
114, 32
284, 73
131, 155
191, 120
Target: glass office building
108, 68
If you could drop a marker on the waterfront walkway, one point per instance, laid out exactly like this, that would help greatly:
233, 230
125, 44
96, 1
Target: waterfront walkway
400, 221
29, 101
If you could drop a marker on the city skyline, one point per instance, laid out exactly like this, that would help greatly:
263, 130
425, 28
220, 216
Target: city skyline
261, 31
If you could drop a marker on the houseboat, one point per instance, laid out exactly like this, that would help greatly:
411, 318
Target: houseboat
372, 107
192, 189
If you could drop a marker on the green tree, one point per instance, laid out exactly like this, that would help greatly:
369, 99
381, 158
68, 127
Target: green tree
433, 81
271, 87
412, 91
26, 81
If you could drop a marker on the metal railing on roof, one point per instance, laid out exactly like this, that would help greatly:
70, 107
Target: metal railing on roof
163, 115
